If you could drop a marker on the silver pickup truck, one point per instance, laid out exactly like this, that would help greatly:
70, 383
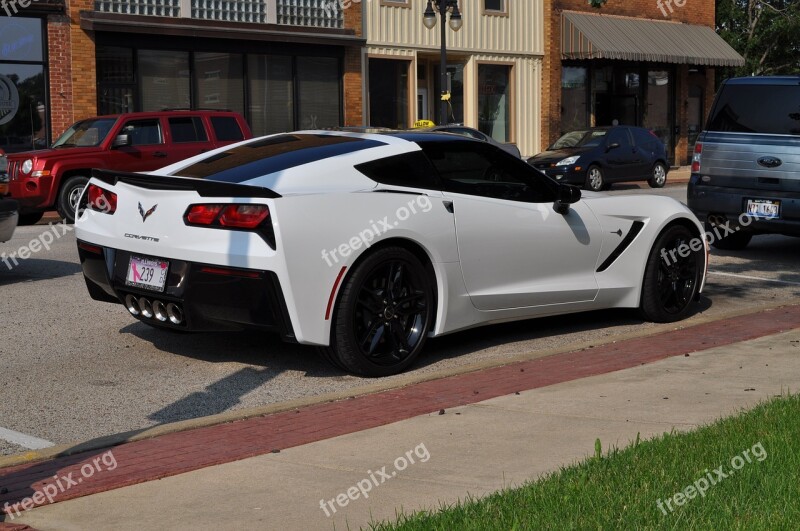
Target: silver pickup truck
746, 164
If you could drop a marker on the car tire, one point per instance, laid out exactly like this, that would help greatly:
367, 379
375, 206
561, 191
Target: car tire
659, 176
594, 179
383, 314
671, 281
31, 218
69, 195
732, 242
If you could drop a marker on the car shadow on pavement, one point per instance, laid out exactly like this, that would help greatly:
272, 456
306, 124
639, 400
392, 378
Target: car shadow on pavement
34, 269
552, 332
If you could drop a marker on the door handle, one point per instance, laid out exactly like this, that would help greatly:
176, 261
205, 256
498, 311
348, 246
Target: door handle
159, 154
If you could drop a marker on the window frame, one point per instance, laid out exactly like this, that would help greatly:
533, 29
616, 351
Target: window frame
495, 12
512, 95
161, 139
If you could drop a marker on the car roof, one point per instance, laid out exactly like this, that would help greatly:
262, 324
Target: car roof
166, 112
764, 80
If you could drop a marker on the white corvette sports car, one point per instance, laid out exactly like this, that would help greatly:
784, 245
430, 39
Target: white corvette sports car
367, 244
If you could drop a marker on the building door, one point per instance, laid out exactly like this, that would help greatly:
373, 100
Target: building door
388, 93
422, 104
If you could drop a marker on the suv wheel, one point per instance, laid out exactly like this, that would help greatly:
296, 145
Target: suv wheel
68, 197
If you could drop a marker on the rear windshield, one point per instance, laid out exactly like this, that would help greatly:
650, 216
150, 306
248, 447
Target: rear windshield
770, 109
269, 155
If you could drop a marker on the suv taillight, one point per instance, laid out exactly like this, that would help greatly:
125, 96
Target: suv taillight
235, 216
101, 200
698, 155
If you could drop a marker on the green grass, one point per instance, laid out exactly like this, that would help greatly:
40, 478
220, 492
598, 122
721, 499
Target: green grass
619, 489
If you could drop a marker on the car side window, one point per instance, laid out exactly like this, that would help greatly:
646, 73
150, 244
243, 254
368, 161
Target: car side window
619, 136
186, 129
226, 128
480, 169
143, 132
413, 170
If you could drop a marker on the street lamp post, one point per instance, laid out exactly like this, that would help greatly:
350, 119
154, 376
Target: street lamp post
429, 19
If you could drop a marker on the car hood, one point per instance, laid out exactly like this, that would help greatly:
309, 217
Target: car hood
559, 154
50, 154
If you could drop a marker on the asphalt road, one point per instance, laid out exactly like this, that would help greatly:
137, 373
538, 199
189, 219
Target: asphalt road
72, 369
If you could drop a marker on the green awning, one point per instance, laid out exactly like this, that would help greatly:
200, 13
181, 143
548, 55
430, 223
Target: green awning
591, 36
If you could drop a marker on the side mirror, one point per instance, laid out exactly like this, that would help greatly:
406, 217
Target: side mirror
121, 141
611, 146
565, 196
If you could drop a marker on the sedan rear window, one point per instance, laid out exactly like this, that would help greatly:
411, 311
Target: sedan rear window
272, 154
770, 109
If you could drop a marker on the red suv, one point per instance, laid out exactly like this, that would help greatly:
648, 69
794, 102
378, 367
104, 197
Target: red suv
136, 142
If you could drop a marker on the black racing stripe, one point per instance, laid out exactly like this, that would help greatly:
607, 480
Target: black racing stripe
636, 228
204, 188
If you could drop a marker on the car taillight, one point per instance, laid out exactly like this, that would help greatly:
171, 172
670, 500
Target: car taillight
244, 216
101, 200
203, 214
698, 155
236, 216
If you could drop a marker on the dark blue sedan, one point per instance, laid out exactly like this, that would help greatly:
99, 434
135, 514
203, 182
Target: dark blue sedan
594, 158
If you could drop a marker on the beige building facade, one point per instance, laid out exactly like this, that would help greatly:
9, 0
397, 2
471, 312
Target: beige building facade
494, 67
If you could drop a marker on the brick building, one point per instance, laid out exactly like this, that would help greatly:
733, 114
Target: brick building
639, 62
283, 64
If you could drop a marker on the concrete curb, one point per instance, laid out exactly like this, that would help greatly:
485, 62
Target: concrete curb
63, 450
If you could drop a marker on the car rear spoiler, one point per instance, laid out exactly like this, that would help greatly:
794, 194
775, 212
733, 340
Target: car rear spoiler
204, 187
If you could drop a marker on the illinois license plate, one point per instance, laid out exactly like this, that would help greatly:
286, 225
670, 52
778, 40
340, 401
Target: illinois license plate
763, 208
147, 273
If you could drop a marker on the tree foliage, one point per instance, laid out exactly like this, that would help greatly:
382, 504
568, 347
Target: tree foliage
765, 32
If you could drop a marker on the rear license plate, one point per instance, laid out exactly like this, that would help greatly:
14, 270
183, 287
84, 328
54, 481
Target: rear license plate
147, 273
763, 208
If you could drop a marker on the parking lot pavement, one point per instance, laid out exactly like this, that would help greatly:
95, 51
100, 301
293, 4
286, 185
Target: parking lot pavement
310, 468
72, 369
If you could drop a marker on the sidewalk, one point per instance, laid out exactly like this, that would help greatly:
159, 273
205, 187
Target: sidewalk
425, 444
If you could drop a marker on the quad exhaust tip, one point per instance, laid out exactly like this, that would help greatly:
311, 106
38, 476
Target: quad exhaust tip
155, 309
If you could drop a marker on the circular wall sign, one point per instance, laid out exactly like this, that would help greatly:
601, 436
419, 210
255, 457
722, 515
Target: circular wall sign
9, 100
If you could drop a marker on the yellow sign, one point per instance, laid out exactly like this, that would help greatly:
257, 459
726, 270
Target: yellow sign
423, 123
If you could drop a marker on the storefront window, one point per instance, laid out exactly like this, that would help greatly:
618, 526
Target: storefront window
282, 92
219, 80
388, 93
574, 108
657, 115
271, 94
23, 97
115, 77
494, 101
318, 92
164, 80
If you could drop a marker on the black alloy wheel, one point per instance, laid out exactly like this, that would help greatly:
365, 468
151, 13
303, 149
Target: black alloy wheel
672, 275
383, 315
